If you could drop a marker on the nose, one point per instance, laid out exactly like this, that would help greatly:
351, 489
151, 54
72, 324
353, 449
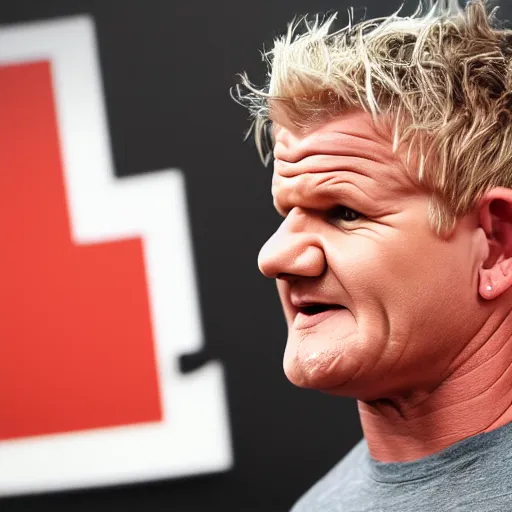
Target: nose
293, 250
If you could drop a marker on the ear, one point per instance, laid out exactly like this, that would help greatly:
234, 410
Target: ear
495, 215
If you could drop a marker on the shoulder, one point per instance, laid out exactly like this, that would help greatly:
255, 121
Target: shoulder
338, 481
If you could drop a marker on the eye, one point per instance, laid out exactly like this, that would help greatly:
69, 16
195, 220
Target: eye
345, 214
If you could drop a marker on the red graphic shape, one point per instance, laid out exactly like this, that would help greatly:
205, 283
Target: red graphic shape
76, 344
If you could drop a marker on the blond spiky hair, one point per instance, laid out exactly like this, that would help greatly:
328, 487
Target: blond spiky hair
442, 76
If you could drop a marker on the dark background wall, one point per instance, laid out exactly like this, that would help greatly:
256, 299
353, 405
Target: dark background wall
167, 68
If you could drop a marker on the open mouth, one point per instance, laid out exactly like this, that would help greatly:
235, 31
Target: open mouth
315, 309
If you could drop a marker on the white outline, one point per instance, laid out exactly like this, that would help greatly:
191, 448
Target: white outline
194, 436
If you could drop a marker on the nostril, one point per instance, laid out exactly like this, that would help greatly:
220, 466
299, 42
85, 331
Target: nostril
287, 277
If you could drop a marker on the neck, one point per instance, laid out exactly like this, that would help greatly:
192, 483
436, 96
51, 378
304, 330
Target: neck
474, 397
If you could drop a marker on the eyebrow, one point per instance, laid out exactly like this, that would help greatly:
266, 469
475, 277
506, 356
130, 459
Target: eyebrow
313, 193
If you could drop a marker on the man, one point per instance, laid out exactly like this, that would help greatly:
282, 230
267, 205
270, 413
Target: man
392, 147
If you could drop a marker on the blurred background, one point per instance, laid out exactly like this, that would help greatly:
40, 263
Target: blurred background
141, 350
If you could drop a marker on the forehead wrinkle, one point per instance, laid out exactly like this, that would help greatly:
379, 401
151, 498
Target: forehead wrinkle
348, 152
318, 191
315, 164
353, 129
343, 185
293, 150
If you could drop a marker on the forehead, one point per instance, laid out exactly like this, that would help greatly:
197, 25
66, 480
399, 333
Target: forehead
353, 129
332, 158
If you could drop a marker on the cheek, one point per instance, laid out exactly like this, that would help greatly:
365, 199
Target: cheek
397, 280
429, 292
365, 270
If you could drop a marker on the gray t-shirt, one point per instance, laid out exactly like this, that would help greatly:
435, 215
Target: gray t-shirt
472, 475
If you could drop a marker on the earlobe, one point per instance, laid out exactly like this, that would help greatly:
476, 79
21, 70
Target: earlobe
496, 220
495, 280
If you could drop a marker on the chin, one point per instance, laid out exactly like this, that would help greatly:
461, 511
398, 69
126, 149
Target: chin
333, 371
332, 383
315, 371
325, 361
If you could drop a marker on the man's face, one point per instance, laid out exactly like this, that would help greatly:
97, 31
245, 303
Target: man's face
376, 303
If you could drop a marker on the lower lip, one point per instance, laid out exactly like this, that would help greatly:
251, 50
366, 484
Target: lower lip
303, 321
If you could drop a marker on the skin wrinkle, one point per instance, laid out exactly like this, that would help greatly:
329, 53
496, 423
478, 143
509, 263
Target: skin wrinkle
463, 396
417, 344
302, 141
312, 369
330, 168
405, 412
331, 161
486, 344
299, 184
342, 189
502, 405
386, 332
390, 347
287, 161
284, 154
293, 189
354, 142
363, 368
339, 354
481, 364
502, 418
339, 163
491, 378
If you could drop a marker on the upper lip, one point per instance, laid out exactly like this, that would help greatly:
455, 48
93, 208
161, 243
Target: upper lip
302, 302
